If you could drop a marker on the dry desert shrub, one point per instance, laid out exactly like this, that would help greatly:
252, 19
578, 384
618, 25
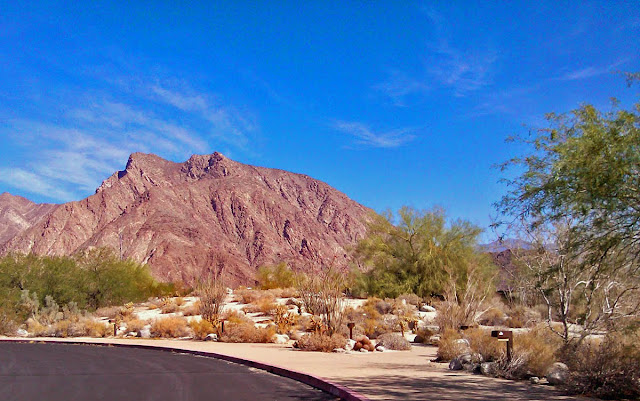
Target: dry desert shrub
247, 333
394, 341
63, 328
170, 327
534, 352
410, 299
201, 328
264, 305
135, 324
492, 317
249, 296
423, 335
169, 306
91, 328
321, 342
108, 311
608, 369
521, 316
449, 347
179, 301
193, 309
36, 329
236, 317
284, 320
483, 344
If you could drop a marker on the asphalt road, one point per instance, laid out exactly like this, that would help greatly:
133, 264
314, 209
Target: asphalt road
57, 372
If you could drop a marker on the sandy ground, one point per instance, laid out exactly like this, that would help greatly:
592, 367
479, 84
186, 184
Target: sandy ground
394, 375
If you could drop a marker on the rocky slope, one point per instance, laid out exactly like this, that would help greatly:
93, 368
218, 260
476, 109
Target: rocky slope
185, 218
18, 214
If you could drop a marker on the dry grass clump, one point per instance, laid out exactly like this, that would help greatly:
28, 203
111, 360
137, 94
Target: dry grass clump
394, 341
170, 327
492, 317
320, 342
247, 333
483, 344
538, 347
201, 328
449, 347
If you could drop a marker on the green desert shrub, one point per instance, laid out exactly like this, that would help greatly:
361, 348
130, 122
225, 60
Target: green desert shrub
276, 276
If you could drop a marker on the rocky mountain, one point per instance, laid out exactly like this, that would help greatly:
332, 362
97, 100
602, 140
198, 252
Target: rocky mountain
185, 218
18, 214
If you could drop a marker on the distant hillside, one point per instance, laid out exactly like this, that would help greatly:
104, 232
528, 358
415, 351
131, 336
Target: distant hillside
18, 214
184, 218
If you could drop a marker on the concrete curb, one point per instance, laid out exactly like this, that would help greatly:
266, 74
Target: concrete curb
314, 381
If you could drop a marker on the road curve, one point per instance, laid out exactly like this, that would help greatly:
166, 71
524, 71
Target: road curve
58, 372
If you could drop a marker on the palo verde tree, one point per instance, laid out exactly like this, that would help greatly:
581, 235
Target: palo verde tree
419, 252
582, 174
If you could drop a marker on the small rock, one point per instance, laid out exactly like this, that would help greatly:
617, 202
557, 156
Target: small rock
465, 358
349, 345
534, 380
211, 337
463, 342
363, 350
558, 374
340, 351
434, 340
455, 364
145, 333
418, 339
471, 367
488, 368
427, 308
380, 348
22, 333
281, 339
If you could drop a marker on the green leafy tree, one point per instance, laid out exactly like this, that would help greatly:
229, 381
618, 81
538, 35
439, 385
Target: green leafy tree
419, 252
578, 195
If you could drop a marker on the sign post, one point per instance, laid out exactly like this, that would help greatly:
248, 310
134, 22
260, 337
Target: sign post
505, 336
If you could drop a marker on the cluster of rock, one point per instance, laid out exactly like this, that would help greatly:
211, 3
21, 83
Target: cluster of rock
472, 362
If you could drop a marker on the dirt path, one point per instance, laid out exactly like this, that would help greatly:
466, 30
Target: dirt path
399, 375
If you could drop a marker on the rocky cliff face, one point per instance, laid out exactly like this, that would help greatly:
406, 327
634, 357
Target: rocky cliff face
18, 214
184, 218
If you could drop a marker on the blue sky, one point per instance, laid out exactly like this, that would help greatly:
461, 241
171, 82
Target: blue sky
393, 103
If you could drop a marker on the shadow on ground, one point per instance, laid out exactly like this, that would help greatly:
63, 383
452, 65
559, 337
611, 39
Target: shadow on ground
453, 386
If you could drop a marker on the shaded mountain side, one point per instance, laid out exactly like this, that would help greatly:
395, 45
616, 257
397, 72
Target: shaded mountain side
18, 214
185, 218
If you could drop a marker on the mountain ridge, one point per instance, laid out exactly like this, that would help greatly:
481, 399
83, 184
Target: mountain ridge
184, 218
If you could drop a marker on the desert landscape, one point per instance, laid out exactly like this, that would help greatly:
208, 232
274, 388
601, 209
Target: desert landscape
320, 201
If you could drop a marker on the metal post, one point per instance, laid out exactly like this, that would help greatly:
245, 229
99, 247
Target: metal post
351, 325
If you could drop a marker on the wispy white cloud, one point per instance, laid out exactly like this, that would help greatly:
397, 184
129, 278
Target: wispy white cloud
365, 136
461, 70
33, 183
590, 72
401, 85
80, 147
